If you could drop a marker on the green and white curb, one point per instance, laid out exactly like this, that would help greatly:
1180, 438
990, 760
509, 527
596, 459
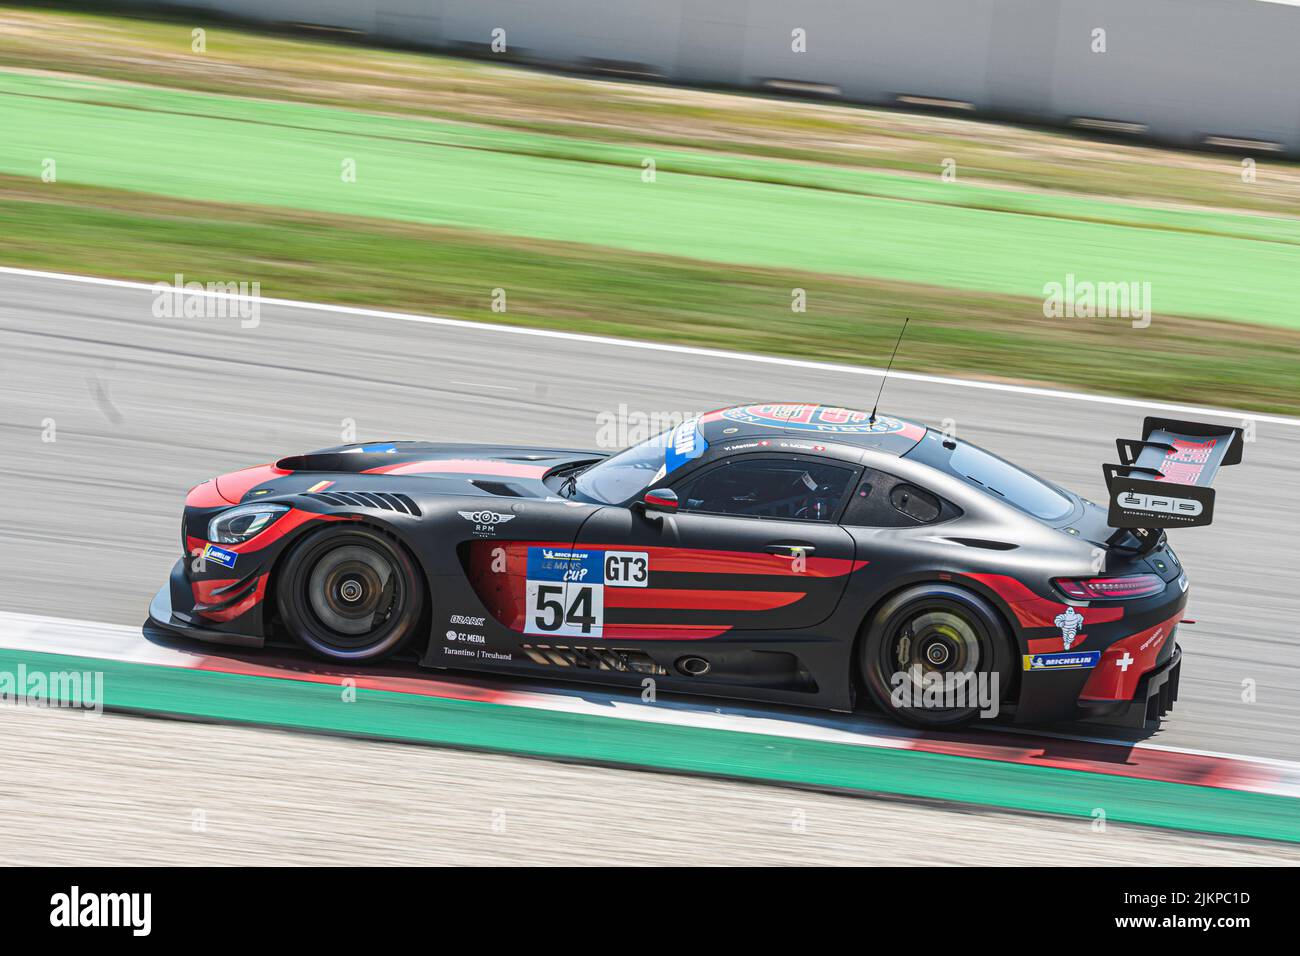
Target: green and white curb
1232, 796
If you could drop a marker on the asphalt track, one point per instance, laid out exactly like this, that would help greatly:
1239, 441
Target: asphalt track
143, 407
121, 790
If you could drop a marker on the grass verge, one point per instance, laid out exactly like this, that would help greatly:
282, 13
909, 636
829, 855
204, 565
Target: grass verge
755, 213
249, 62
373, 262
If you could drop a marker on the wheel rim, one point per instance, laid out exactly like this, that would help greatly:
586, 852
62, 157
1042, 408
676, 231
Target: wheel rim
934, 641
353, 592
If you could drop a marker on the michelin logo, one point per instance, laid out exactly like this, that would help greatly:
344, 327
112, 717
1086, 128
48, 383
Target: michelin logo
1061, 662
220, 556
1069, 622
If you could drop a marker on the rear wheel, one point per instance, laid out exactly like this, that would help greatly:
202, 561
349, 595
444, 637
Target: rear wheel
350, 595
936, 656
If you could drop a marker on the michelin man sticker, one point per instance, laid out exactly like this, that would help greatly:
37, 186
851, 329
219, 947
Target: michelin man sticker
566, 588
1069, 622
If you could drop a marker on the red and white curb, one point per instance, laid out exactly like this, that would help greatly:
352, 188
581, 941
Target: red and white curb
115, 642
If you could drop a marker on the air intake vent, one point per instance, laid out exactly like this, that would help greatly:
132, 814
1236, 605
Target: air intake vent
499, 488
379, 500
985, 544
593, 658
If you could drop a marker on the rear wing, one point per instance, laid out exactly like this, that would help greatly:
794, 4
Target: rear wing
1163, 480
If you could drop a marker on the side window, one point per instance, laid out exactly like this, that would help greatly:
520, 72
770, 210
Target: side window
884, 501
792, 489
917, 503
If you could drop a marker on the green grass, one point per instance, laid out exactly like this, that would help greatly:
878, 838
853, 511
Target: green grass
201, 147
615, 292
476, 175
157, 50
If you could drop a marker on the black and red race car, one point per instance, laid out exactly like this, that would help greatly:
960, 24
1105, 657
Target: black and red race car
790, 553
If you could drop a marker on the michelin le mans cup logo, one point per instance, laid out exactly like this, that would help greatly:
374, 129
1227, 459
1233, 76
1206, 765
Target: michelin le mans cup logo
1069, 622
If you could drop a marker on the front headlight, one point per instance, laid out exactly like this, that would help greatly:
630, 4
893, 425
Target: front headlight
240, 524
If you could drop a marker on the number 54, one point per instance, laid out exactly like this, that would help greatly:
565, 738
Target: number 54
569, 609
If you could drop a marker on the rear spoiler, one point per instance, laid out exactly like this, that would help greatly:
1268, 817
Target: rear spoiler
1163, 480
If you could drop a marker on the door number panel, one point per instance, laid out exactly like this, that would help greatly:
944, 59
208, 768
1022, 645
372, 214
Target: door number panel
566, 588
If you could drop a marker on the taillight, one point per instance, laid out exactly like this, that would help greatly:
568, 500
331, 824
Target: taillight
1110, 589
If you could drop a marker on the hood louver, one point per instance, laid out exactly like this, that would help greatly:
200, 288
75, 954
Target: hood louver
379, 500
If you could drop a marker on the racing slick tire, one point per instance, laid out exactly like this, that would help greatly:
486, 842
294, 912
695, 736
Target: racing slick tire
935, 631
349, 594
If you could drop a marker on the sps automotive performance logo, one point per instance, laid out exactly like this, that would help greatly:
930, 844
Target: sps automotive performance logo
486, 522
814, 418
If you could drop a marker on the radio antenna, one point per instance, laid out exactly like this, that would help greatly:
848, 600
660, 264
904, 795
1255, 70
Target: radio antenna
888, 369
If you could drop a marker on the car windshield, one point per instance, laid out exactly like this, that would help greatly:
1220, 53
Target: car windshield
994, 476
620, 477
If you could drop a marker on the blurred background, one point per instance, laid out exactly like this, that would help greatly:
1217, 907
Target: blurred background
730, 173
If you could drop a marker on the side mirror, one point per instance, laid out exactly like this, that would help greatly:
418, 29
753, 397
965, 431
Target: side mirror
660, 499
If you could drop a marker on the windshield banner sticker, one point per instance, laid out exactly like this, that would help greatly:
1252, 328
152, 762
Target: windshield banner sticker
686, 443
814, 418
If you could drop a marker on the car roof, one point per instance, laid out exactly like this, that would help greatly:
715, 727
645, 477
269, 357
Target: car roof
811, 422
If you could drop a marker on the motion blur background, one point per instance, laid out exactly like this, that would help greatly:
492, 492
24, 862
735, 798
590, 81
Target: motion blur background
329, 169
735, 174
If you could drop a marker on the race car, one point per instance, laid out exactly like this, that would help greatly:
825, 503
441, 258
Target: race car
790, 553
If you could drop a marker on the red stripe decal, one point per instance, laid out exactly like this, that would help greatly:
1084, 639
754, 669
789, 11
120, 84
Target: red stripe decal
1122, 664
290, 522
206, 495
661, 632
694, 560
227, 614
462, 466
235, 485
702, 600
1034, 611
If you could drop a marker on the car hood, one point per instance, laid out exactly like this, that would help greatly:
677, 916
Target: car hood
426, 467
437, 458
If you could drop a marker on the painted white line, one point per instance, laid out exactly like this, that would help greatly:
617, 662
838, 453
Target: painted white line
1236, 415
114, 642
504, 388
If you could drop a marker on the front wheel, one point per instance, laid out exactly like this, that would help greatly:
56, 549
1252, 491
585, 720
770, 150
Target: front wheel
349, 595
936, 656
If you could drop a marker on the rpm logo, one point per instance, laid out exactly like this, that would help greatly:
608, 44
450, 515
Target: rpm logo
814, 418
486, 522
